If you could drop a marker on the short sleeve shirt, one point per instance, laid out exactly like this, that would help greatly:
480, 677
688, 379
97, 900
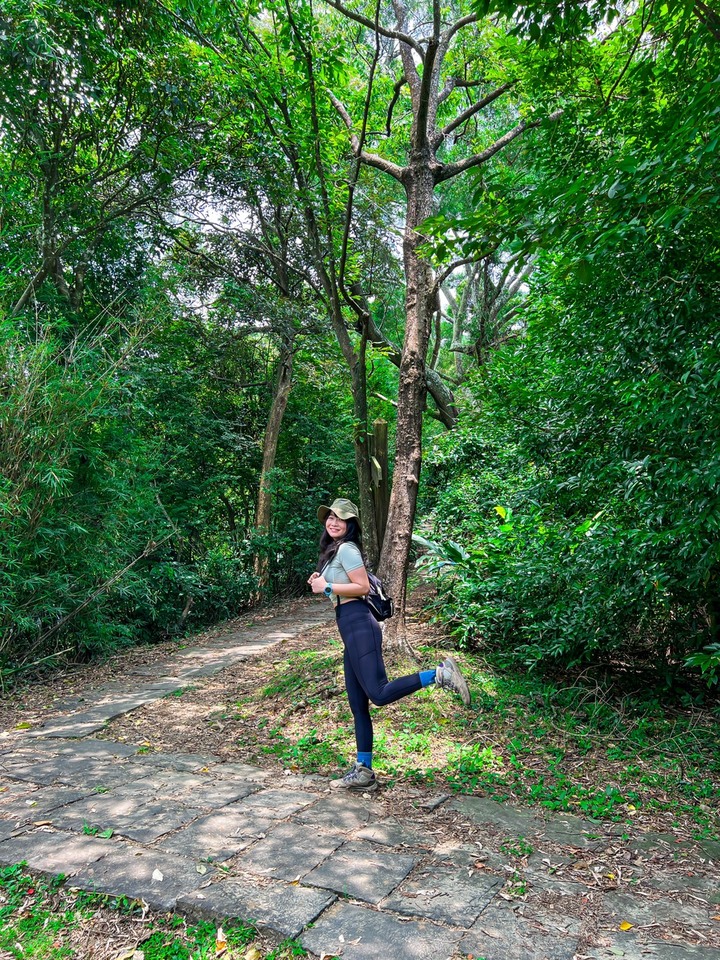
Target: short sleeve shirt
347, 558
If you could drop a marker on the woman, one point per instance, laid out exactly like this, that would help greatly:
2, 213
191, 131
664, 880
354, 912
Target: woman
341, 575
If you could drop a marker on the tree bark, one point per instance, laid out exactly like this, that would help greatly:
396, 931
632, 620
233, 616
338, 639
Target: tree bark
283, 385
420, 303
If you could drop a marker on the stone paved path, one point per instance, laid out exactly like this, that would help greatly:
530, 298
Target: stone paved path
215, 839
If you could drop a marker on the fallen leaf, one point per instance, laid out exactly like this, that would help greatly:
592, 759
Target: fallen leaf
157, 875
23, 726
106, 834
131, 954
201, 869
716, 918
220, 942
253, 954
625, 925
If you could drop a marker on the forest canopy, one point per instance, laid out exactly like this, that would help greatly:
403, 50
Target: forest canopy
233, 237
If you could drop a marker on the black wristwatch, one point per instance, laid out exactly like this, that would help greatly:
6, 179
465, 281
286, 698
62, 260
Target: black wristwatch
328, 590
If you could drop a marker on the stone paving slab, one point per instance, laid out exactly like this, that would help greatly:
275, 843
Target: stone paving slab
466, 854
358, 933
555, 887
447, 894
189, 788
572, 831
502, 933
687, 885
11, 791
35, 805
243, 771
657, 843
85, 772
512, 820
339, 812
150, 875
711, 849
640, 911
278, 804
9, 829
273, 907
77, 726
218, 836
361, 871
91, 748
288, 852
54, 853
394, 833
132, 817
626, 950
191, 762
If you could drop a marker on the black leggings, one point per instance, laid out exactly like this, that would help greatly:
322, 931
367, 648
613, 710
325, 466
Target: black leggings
365, 676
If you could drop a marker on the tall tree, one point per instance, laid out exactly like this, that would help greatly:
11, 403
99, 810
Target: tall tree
432, 71
91, 105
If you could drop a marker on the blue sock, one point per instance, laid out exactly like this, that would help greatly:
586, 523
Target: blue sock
365, 759
427, 677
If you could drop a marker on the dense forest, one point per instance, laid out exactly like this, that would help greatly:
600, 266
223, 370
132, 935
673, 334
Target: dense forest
233, 236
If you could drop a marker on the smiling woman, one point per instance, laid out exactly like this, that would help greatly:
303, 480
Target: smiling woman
342, 576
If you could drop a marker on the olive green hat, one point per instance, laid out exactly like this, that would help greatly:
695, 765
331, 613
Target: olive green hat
341, 508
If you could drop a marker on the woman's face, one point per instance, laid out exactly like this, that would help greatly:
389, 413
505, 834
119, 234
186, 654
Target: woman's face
335, 527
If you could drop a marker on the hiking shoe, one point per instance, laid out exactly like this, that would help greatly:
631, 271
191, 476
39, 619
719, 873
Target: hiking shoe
448, 677
360, 779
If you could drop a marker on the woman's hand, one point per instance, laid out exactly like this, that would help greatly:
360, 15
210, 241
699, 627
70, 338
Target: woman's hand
317, 583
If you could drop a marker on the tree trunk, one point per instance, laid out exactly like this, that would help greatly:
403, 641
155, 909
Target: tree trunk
420, 301
270, 444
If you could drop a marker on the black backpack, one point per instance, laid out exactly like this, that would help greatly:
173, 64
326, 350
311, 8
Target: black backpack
381, 605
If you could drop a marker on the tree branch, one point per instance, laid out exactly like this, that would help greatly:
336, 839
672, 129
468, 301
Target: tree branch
383, 31
396, 93
708, 17
452, 82
643, 27
459, 24
446, 171
371, 159
471, 111
408, 61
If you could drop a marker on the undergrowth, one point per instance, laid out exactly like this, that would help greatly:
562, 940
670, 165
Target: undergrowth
570, 744
43, 919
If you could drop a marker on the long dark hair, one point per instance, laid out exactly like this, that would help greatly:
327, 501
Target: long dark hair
329, 547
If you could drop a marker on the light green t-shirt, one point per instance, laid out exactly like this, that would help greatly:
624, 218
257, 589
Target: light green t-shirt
346, 559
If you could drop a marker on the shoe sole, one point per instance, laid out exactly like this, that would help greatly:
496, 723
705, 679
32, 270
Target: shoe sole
464, 690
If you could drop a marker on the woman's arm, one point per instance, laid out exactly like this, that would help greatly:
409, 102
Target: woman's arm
358, 587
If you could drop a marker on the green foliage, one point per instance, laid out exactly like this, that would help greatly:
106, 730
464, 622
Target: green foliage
594, 428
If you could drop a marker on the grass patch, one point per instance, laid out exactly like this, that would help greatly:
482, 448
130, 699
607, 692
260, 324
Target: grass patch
42, 919
565, 744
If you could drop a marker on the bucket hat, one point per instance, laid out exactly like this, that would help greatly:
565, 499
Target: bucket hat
341, 508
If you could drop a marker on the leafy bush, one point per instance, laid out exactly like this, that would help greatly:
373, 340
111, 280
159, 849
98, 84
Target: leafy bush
595, 428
